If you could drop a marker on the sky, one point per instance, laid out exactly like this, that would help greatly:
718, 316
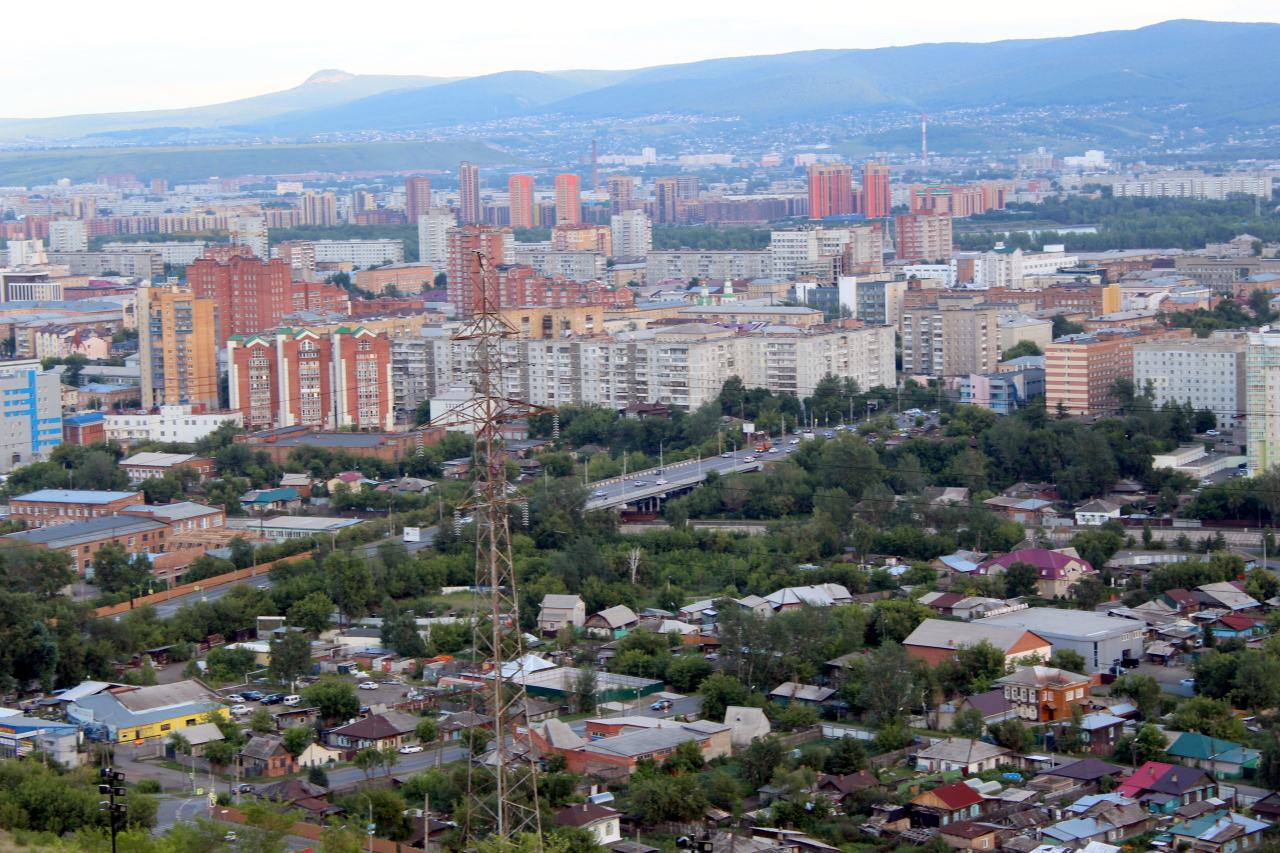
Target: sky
156, 54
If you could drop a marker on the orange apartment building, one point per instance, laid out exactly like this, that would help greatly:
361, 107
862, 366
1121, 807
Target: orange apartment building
568, 199
520, 194
405, 278
463, 244
924, 236
1080, 370
582, 237
830, 190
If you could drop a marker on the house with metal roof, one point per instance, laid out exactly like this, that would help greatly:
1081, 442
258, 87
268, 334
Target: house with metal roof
614, 622
1103, 641
938, 640
1057, 572
1163, 788
280, 499
1220, 831
818, 595
390, 728
957, 753
945, 805
1219, 757
791, 692
623, 752
129, 714
561, 611
265, 755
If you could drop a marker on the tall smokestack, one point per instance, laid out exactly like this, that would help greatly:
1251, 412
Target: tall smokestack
924, 140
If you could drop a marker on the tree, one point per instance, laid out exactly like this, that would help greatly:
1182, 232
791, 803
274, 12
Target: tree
477, 740
661, 798
968, 724
114, 570
1070, 660
719, 691
686, 672
1257, 682
426, 731
1020, 349
583, 696
220, 754
290, 657
687, 757
297, 738
1148, 745
1011, 734
313, 614
1072, 737
339, 839
889, 686
1020, 579
1145, 692
368, 761
335, 700
317, 776
261, 721
760, 759
1090, 592
848, 756
1208, 716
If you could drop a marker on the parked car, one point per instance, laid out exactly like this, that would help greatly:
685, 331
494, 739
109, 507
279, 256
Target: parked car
272, 699
369, 685
252, 695
410, 750
1188, 682
661, 705
234, 698
239, 709
293, 700
1213, 432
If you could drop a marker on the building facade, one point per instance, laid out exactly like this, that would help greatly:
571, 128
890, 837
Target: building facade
1208, 372
924, 236
1081, 370
253, 294
632, 233
177, 347
830, 190
32, 425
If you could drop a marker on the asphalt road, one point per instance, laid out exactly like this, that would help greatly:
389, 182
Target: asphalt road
646, 485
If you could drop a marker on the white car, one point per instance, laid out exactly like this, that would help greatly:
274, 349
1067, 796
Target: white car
726, 455
369, 685
234, 699
1213, 432
639, 483
238, 710
291, 701
410, 750
1188, 682
660, 482
773, 450
602, 494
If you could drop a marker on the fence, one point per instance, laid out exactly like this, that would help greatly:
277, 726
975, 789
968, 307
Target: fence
189, 588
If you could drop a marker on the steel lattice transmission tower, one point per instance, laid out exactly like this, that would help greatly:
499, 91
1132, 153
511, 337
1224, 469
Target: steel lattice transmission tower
512, 805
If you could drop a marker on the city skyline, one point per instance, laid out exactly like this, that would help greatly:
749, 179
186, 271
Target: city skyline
200, 74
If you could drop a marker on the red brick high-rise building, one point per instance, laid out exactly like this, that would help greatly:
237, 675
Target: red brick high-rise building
469, 193
924, 236
331, 379
876, 198
417, 198
463, 244
830, 190
520, 189
253, 295
568, 199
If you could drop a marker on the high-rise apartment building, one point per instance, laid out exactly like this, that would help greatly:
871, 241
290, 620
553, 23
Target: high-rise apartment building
797, 252
318, 209
177, 347
632, 233
1262, 401
68, 235
433, 237
417, 197
251, 232
951, 341
520, 190
469, 193
1208, 372
254, 294
830, 190
621, 188
1081, 370
495, 244
582, 238
924, 236
874, 301
877, 199
666, 191
568, 199
32, 425
335, 379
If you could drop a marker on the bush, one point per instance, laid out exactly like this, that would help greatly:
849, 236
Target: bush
148, 786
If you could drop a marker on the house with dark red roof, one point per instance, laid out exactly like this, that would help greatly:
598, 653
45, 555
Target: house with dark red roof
390, 728
1243, 627
1181, 600
1163, 788
837, 788
945, 805
1058, 572
602, 822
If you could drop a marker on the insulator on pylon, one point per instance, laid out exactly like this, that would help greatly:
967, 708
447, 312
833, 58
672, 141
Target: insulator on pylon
457, 521
524, 513
555, 424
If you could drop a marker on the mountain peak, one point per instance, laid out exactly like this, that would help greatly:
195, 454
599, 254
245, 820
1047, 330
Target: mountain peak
329, 75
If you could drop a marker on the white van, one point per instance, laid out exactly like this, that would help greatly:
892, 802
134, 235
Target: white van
291, 701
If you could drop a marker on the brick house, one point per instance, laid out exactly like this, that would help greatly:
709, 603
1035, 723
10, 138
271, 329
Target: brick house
265, 755
48, 507
390, 728
146, 466
1043, 694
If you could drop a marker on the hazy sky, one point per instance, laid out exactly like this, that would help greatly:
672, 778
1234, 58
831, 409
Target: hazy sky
149, 54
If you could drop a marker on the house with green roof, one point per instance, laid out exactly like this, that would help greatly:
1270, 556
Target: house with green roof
1220, 757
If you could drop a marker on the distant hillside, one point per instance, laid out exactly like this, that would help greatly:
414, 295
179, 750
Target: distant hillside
27, 168
1179, 73
323, 89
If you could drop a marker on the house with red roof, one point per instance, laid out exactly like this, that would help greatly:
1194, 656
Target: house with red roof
946, 805
1058, 572
1181, 600
1243, 627
1164, 788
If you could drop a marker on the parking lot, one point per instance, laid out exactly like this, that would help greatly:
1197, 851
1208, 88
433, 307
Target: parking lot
386, 693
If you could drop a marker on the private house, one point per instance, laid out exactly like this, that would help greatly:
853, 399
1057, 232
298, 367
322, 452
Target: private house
838, 788
1022, 510
746, 724
1163, 788
965, 606
946, 805
1226, 627
968, 835
299, 795
993, 706
559, 612
1108, 818
1220, 831
319, 755
451, 726
1058, 572
604, 823
618, 756
1180, 600
390, 728
954, 568
265, 755
1228, 594
960, 754
790, 692
282, 499
819, 595
1043, 694
146, 466
1084, 771
937, 640
1222, 758
197, 736
1096, 513
613, 623
301, 482
1104, 731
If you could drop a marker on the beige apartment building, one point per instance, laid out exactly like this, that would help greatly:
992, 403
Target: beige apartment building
1081, 370
951, 341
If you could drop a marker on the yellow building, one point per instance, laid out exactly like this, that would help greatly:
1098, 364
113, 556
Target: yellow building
178, 347
138, 713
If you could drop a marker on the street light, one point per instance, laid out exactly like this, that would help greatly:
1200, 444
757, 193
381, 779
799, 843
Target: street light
368, 829
110, 777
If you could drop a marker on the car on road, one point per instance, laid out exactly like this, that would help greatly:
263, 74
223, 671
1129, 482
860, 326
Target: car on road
230, 836
245, 788
773, 450
1212, 432
252, 695
369, 685
726, 455
660, 482
1188, 682
234, 698
748, 459
410, 750
239, 709
639, 483
791, 450
661, 705
272, 699
292, 700
602, 494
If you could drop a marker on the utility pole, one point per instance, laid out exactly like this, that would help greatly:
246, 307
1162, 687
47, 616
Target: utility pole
505, 803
